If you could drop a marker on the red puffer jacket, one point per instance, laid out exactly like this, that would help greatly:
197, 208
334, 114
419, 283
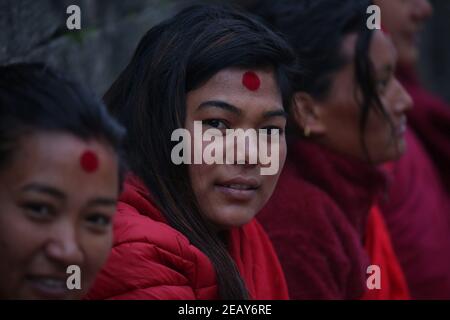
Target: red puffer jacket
151, 260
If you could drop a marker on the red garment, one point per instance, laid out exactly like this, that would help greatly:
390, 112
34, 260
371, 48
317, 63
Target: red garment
417, 209
378, 244
316, 220
430, 121
151, 260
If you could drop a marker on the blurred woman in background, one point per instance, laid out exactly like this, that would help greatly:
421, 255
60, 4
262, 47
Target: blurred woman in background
349, 116
418, 208
59, 182
187, 231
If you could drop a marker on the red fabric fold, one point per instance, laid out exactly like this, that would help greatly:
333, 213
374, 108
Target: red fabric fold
316, 220
381, 253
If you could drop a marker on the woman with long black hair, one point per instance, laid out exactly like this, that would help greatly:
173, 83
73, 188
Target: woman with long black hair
186, 231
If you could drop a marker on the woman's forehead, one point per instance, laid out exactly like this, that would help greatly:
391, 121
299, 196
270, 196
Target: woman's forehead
250, 90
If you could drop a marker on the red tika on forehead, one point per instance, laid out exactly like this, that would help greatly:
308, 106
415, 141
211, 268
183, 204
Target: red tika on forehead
251, 81
89, 161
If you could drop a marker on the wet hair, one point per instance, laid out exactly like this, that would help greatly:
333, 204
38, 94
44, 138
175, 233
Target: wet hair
316, 29
35, 98
149, 98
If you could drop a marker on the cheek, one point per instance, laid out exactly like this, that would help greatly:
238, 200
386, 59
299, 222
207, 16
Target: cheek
342, 121
96, 249
379, 139
19, 238
20, 242
270, 181
202, 183
378, 125
201, 178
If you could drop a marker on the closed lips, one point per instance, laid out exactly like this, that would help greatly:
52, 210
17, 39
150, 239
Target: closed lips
240, 184
239, 187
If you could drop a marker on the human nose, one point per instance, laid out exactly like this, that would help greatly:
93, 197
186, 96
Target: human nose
403, 101
63, 245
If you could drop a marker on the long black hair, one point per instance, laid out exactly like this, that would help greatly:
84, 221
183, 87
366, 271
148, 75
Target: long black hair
316, 30
35, 98
149, 98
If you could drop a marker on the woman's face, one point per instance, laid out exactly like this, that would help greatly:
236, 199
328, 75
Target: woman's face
403, 19
57, 199
335, 121
231, 194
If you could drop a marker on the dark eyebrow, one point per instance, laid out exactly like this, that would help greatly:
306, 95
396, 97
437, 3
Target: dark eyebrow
102, 202
220, 104
37, 187
233, 109
276, 113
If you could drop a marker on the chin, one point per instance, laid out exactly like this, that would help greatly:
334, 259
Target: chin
233, 217
396, 153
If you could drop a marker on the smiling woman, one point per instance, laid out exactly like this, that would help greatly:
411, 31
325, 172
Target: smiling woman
59, 181
187, 231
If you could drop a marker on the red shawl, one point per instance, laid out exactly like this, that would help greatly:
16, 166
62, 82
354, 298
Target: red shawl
317, 220
378, 244
430, 121
417, 209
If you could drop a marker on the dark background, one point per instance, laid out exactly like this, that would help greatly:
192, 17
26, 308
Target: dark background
33, 30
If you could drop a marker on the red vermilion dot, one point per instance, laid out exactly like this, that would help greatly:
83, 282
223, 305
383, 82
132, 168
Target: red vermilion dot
251, 81
89, 161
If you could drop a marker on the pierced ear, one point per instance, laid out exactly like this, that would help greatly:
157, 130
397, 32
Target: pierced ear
306, 112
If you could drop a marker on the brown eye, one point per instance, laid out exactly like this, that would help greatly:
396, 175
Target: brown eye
98, 221
39, 211
216, 123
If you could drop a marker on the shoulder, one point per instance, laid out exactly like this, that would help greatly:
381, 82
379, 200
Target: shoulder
321, 252
152, 260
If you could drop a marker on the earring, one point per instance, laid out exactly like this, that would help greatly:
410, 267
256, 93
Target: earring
307, 131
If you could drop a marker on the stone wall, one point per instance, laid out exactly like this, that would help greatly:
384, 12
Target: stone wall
36, 31
111, 29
